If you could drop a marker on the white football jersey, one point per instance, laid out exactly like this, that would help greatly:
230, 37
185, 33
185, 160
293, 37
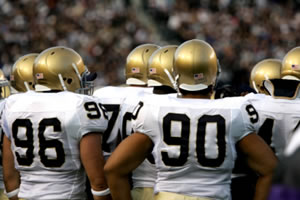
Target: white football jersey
294, 143
2, 103
45, 130
279, 118
194, 142
145, 174
111, 98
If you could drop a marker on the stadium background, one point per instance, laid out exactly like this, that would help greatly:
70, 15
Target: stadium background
103, 32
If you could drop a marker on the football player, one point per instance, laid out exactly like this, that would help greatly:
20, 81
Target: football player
113, 98
21, 77
243, 178
53, 136
4, 92
160, 77
193, 137
279, 111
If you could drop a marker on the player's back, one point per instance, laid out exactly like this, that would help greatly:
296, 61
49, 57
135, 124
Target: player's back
112, 98
279, 118
194, 142
45, 130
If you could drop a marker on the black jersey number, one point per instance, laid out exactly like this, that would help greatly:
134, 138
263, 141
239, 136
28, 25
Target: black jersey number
266, 131
252, 113
183, 140
114, 109
27, 159
130, 116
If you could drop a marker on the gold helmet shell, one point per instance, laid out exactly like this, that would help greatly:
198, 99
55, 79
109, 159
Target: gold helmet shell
264, 70
4, 86
196, 65
21, 77
291, 65
160, 67
58, 68
136, 64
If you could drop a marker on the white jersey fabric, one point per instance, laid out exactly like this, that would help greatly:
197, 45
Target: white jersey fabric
145, 174
120, 103
279, 118
294, 144
45, 130
2, 103
194, 142
112, 98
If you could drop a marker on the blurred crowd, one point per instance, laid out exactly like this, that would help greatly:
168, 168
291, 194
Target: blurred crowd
242, 32
102, 32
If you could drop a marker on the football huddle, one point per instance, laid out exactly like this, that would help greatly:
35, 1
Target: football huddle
168, 133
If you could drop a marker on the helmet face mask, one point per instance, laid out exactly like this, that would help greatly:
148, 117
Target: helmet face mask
22, 73
264, 70
59, 68
4, 89
196, 65
136, 64
87, 83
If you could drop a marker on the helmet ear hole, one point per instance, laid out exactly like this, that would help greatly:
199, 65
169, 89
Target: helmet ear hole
30, 83
69, 80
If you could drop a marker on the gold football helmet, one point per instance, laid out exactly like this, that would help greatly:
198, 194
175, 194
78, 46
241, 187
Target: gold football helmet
264, 70
160, 67
4, 86
136, 64
291, 65
21, 77
61, 68
196, 65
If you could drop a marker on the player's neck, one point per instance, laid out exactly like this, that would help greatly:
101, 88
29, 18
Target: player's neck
138, 86
197, 96
163, 90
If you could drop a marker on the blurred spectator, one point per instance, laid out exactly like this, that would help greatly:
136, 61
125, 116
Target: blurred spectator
243, 32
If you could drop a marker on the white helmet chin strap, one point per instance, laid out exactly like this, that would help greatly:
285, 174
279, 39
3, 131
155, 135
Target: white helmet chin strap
61, 80
170, 78
26, 85
254, 86
76, 70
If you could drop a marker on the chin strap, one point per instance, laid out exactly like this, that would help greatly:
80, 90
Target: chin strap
171, 78
62, 82
26, 85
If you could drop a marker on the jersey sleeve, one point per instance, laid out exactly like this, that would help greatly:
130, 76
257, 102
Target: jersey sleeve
247, 121
143, 123
93, 116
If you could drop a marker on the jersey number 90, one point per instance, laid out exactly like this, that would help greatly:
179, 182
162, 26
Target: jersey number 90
183, 140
